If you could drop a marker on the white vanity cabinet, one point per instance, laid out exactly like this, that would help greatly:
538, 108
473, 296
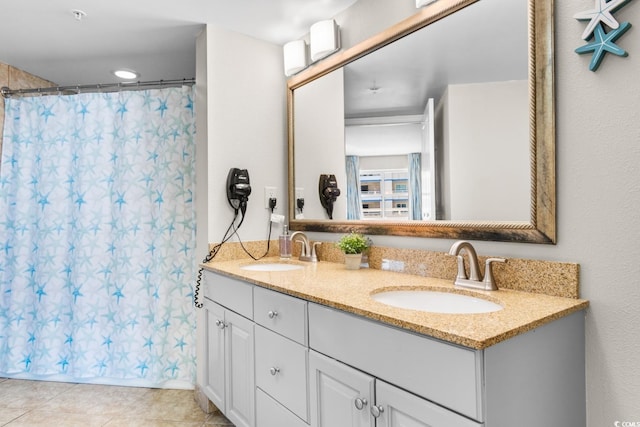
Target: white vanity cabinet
274, 360
229, 372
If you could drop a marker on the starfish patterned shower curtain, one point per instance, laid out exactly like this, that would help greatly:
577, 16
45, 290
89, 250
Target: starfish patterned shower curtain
97, 238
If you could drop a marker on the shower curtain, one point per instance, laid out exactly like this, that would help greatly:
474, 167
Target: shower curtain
354, 203
97, 238
415, 186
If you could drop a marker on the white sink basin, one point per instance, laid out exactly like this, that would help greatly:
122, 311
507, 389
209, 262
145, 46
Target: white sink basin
271, 266
436, 302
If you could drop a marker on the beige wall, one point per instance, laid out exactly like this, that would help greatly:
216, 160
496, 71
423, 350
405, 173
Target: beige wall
14, 78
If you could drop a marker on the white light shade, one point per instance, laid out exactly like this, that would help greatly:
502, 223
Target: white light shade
420, 3
295, 57
324, 39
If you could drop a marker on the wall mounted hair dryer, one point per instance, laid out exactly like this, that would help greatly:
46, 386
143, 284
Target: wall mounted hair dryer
328, 191
238, 189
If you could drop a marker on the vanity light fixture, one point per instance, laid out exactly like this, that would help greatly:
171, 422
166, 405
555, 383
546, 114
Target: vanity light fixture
422, 3
324, 39
126, 74
295, 57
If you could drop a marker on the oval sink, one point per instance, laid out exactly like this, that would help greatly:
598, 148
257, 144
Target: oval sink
436, 302
271, 266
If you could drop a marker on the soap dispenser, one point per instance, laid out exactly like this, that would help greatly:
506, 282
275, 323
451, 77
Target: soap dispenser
285, 243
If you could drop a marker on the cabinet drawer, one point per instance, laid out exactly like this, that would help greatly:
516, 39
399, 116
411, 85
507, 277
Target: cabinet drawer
281, 313
233, 294
281, 370
443, 373
271, 414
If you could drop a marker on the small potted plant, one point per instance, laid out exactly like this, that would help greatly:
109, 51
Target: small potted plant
353, 245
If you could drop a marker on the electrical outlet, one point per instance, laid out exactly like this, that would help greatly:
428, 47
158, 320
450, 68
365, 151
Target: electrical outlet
269, 193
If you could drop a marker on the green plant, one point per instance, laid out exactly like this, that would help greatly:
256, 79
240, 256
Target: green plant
353, 243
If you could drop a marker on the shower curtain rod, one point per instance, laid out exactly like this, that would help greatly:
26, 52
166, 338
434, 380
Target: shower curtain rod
105, 87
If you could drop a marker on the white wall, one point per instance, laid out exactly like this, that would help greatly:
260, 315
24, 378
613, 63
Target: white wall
246, 100
319, 112
478, 150
598, 186
372, 140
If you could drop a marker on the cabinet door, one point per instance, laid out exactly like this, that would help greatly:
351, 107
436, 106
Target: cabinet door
398, 408
214, 348
240, 382
340, 395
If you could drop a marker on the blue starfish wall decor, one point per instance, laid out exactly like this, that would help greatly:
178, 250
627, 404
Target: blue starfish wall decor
603, 43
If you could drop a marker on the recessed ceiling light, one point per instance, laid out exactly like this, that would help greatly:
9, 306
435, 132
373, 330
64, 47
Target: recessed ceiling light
126, 74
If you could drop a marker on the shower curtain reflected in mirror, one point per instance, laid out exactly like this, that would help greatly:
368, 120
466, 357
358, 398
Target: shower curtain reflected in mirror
354, 202
415, 186
97, 238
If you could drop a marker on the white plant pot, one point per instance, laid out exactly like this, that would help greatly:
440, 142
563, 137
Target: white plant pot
352, 261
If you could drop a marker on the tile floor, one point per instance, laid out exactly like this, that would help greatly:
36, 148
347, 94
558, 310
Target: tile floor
40, 403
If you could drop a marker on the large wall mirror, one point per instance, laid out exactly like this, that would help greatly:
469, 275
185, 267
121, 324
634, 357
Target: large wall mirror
441, 126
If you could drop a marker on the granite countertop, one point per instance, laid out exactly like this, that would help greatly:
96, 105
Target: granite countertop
332, 285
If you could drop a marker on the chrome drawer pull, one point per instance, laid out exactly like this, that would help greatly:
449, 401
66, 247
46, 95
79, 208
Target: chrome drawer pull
360, 403
272, 314
274, 370
376, 411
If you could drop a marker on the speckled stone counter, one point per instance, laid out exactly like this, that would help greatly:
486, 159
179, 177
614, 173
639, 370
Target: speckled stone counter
332, 285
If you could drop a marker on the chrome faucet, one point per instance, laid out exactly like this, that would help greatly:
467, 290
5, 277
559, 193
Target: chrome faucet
474, 280
307, 251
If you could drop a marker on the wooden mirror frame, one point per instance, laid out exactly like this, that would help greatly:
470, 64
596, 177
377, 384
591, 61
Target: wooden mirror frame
542, 226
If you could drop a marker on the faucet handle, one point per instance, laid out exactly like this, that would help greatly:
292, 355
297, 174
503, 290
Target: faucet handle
489, 280
462, 274
303, 249
314, 253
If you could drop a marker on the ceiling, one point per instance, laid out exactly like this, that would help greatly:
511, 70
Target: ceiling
153, 37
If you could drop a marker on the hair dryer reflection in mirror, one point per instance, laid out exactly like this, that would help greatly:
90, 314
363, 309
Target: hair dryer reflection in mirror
328, 191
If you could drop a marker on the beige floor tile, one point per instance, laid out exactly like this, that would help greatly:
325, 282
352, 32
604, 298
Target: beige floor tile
38, 418
171, 405
10, 414
40, 404
90, 399
29, 394
218, 420
141, 422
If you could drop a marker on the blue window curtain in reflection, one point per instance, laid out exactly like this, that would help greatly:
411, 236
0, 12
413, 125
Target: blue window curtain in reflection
354, 203
415, 187
97, 238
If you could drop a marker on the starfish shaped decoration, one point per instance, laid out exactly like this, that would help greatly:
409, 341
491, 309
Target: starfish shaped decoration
603, 43
602, 13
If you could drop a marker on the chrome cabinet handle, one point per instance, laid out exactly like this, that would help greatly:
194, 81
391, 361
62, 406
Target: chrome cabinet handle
272, 314
360, 403
376, 411
220, 324
274, 370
